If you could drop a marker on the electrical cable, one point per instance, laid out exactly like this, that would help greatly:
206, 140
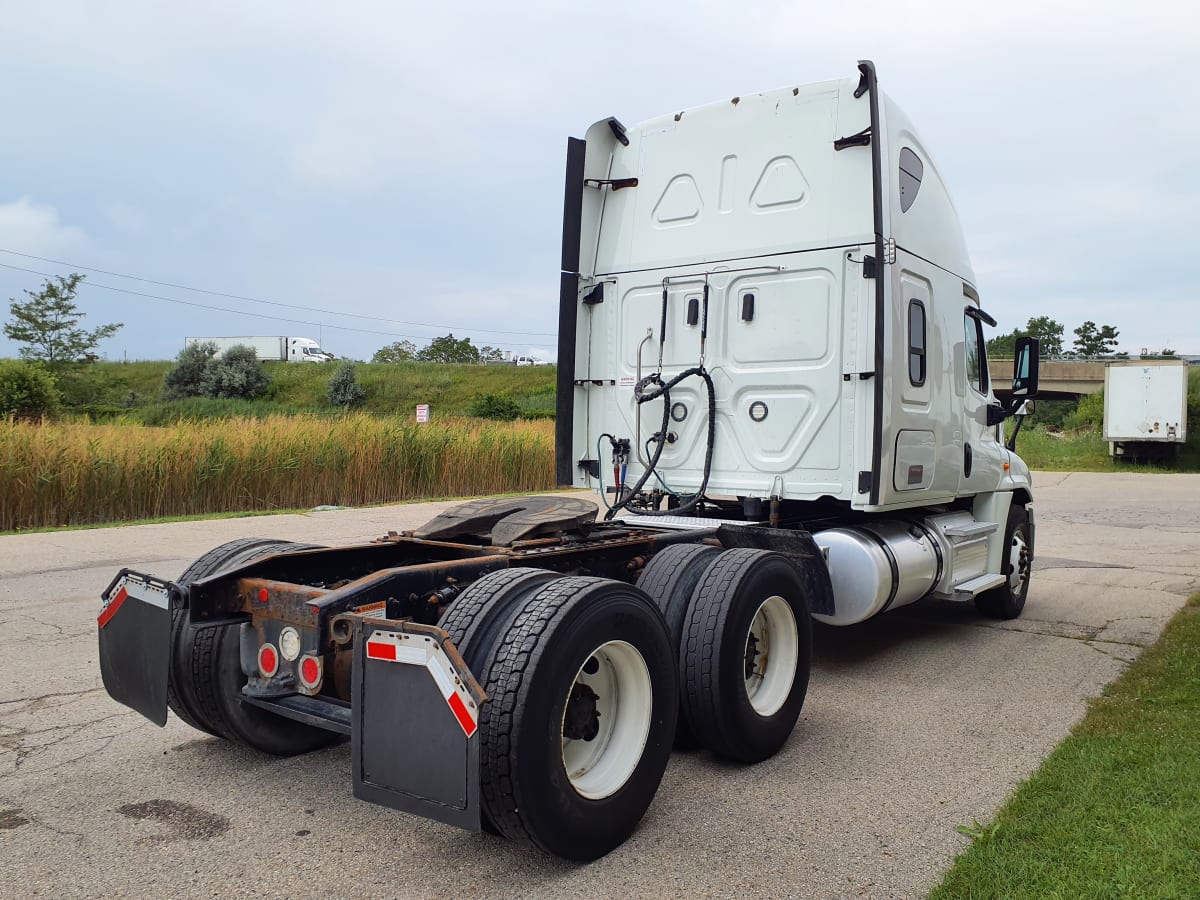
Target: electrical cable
212, 293
240, 312
651, 388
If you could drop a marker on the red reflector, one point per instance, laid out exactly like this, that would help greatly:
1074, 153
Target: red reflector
310, 671
381, 650
263, 596
460, 712
111, 610
268, 660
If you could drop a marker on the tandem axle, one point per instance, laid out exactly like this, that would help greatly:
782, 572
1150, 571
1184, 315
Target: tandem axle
403, 645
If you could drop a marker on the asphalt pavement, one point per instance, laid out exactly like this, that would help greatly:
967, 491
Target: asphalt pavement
916, 722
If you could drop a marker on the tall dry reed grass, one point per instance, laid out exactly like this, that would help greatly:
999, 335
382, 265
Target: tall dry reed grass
71, 473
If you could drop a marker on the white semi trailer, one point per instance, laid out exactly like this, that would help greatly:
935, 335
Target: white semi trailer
1145, 408
772, 372
282, 349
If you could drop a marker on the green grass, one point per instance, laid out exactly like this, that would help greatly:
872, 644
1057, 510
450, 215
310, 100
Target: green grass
1115, 810
109, 389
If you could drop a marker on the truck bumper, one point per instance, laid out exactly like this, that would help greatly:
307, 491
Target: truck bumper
413, 720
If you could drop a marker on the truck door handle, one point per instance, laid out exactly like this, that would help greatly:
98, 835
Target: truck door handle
966, 460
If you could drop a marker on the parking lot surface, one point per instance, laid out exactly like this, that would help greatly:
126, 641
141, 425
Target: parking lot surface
915, 722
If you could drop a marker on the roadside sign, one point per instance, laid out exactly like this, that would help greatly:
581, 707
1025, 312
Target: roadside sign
422, 412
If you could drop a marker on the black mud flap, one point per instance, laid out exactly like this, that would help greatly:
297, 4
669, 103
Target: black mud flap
415, 730
135, 643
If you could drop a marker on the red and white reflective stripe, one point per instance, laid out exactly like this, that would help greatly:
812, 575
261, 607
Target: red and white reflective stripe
111, 607
138, 590
391, 646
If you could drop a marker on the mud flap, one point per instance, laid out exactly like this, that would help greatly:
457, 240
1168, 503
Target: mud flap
415, 731
135, 643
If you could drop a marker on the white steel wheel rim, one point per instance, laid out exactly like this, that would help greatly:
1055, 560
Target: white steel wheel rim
599, 767
1018, 564
772, 654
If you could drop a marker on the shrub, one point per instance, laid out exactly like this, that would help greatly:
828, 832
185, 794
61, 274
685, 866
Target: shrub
237, 373
1089, 413
27, 391
344, 389
490, 406
185, 379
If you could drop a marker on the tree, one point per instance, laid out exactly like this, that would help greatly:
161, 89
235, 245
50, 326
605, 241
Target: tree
490, 353
1048, 332
344, 389
1092, 341
186, 378
1003, 346
48, 324
401, 351
449, 349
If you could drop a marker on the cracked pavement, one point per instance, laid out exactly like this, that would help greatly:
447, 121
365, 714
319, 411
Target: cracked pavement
915, 722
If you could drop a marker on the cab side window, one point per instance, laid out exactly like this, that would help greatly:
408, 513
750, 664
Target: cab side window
916, 343
976, 354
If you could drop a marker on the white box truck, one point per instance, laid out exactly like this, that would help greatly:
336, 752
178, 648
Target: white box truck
282, 349
1145, 408
772, 370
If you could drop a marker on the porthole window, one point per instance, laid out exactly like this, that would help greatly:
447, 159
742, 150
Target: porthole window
916, 343
912, 170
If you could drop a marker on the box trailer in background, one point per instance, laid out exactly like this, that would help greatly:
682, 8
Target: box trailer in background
283, 349
1145, 407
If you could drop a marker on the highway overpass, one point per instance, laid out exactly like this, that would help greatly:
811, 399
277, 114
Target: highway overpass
1058, 378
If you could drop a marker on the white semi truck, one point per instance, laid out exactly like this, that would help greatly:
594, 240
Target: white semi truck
281, 349
772, 373
1145, 408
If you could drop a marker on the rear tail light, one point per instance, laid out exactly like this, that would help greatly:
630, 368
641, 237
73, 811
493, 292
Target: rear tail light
268, 660
310, 672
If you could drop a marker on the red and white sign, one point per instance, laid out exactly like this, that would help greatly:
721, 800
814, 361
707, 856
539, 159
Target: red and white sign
423, 412
417, 650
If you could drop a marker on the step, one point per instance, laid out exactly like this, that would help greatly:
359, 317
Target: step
970, 589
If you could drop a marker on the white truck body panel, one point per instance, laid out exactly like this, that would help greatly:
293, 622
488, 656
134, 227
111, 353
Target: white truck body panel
283, 349
751, 197
1146, 400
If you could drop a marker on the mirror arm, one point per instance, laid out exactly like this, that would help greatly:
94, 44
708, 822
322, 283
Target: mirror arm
1011, 443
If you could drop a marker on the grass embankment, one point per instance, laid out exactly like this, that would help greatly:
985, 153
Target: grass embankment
75, 472
108, 389
1115, 810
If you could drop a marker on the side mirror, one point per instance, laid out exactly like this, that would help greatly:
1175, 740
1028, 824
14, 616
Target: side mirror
1025, 370
1025, 408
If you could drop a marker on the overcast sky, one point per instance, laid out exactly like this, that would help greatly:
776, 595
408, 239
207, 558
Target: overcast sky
405, 162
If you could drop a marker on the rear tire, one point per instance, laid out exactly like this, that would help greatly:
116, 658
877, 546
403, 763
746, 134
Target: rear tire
475, 619
582, 677
745, 660
206, 679
1008, 600
477, 616
670, 578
